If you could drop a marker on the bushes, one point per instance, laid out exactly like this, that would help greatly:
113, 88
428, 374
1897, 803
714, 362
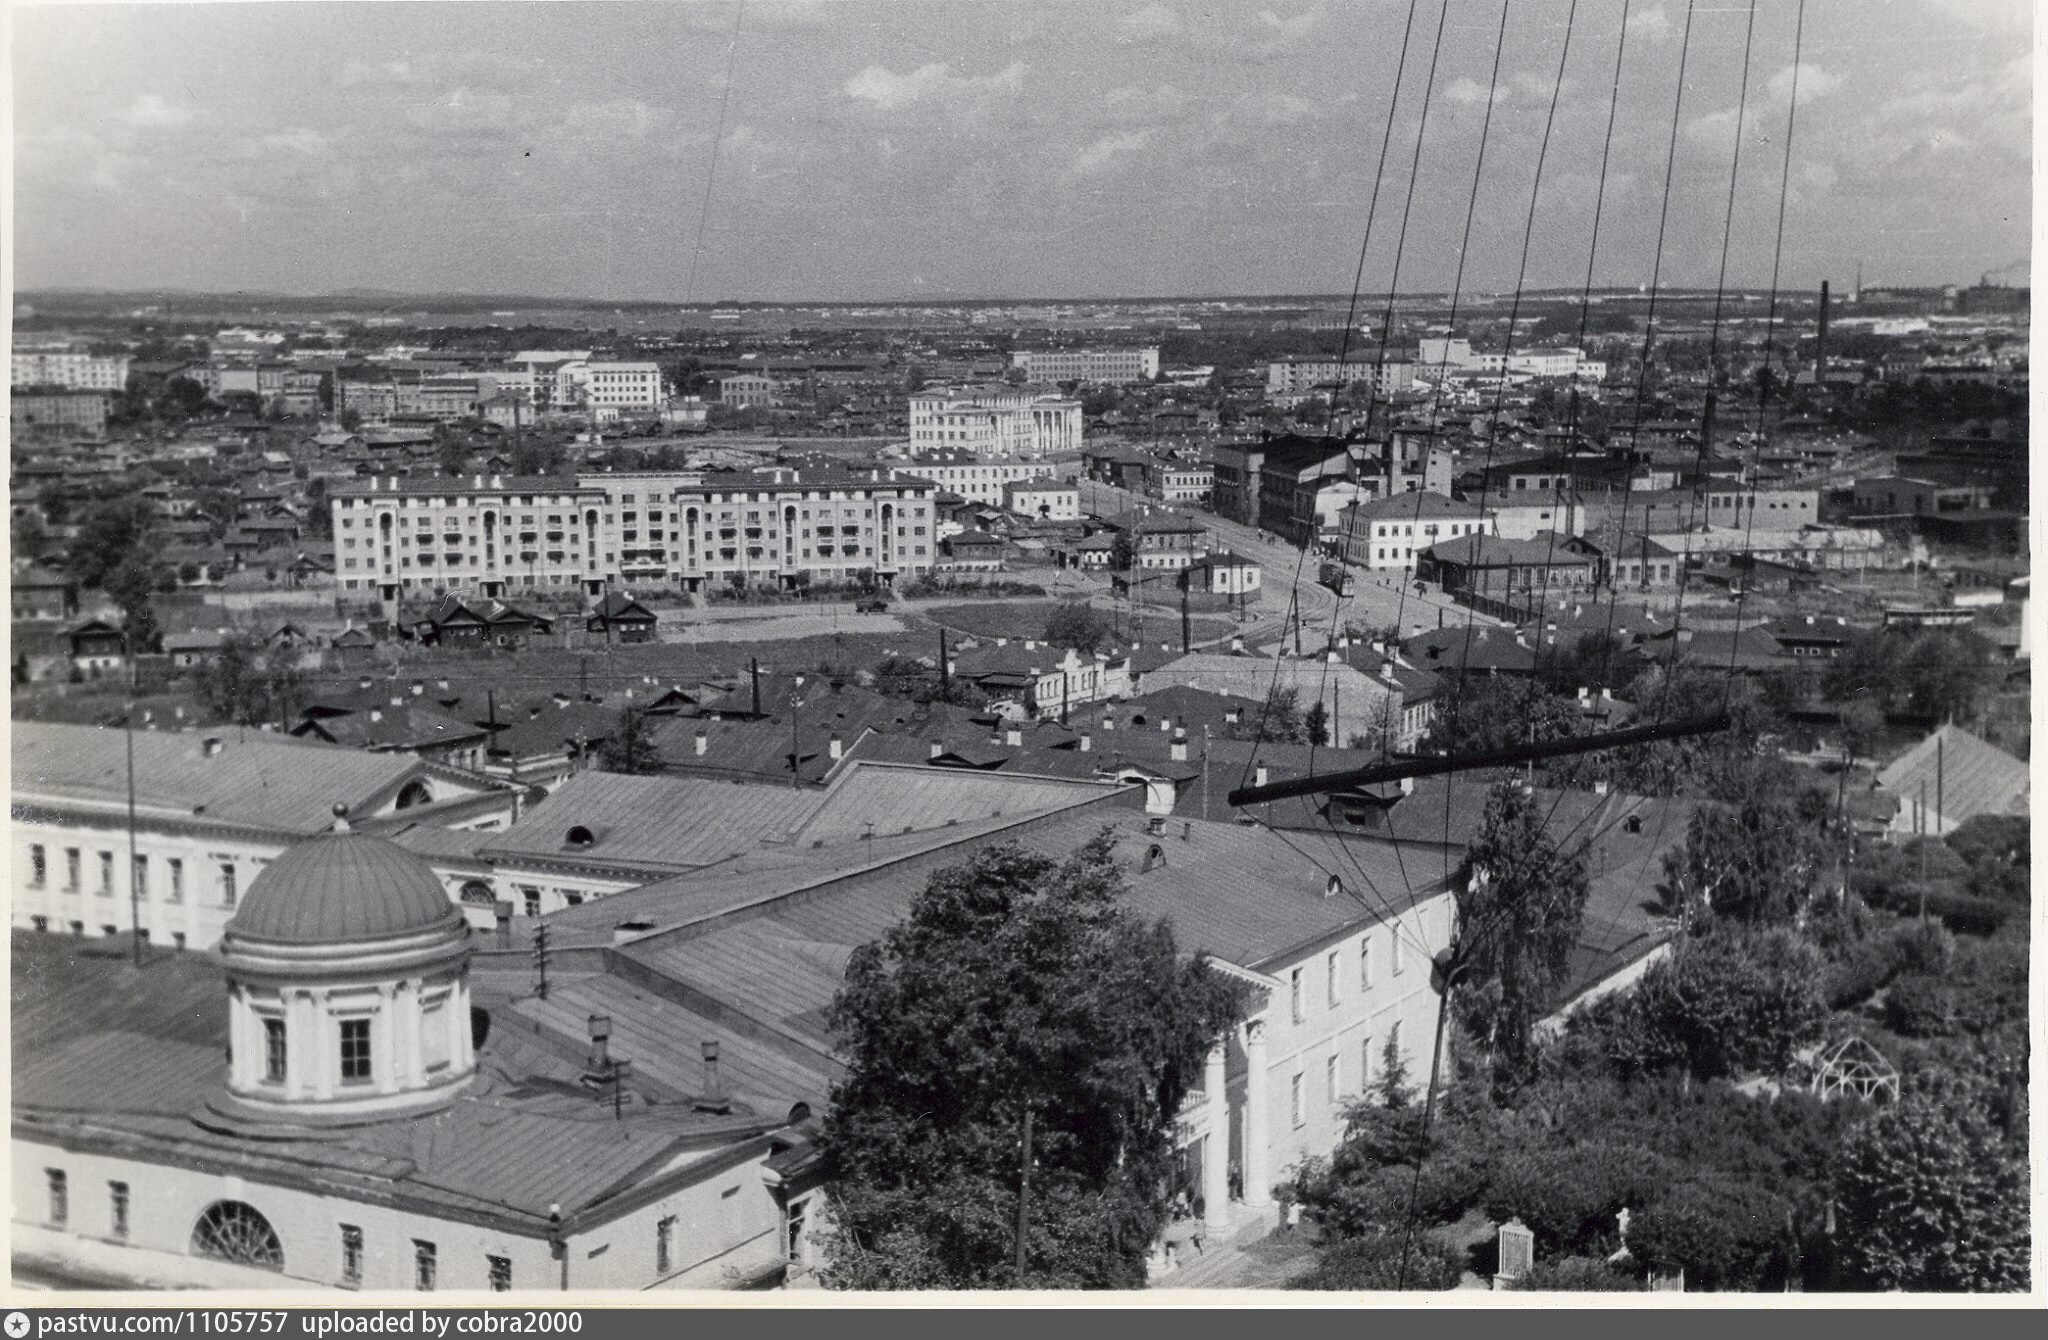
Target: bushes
1725, 1004
1920, 1006
1569, 1196
1577, 1274
1931, 1201
1724, 1235
1374, 1262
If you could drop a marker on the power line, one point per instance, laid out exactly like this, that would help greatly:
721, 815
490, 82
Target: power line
717, 142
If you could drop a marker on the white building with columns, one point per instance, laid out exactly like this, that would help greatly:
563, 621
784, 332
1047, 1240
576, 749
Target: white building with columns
994, 421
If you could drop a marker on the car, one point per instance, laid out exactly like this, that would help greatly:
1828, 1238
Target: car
872, 605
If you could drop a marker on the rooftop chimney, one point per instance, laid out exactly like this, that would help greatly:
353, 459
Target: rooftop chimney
1087, 742
376, 714
502, 910
713, 1098
1014, 737
1179, 749
1237, 644
418, 687
365, 682
600, 1041
702, 743
1259, 776
1334, 887
837, 747
938, 747
1600, 787
211, 746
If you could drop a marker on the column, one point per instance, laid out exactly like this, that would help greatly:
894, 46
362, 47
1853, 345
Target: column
304, 1020
1257, 1193
317, 1045
1216, 1144
384, 1031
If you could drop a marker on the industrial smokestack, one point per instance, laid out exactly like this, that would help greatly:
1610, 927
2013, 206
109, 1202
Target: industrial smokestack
1820, 346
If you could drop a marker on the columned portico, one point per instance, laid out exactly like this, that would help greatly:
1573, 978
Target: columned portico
1216, 1144
1258, 1193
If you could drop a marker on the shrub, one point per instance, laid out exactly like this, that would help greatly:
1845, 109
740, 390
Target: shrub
1374, 1262
1577, 1274
1725, 1003
1920, 1006
1569, 1197
1724, 1235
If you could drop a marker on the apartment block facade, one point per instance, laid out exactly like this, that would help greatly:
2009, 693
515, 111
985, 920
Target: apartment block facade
1105, 367
70, 369
499, 535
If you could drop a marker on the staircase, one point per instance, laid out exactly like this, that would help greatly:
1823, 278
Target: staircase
1222, 1257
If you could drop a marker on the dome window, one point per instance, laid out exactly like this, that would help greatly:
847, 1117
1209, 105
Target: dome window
580, 838
233, 1231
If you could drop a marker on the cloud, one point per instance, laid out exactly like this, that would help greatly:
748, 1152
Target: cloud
1108, 151
1147, 24
1653, 24
1469, 92
927, 84
465, 111
618, 118
1814, 82
1133, 104
1280, 34
299, 140
149, 112
1271, 109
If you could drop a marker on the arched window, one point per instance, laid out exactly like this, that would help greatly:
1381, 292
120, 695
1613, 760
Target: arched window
579, 837
478, 894
232, 1231
414, 793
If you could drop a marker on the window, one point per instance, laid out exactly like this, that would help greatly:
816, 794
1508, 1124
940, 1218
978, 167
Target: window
1334, 989
141, 876
531, 897
1400, 958
71, 875
1331, 1079
351, 1254
60, 1197
1364, 1062
1365, 963
273, 1051
38, 866
1294, 995
424, 1266
117, 1209
1394, 1041
501, 1273
1297, 1107
355, 1051
664, 1245
106, 874
227, 884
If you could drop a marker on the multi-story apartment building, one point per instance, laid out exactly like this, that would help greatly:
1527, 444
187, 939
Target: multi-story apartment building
1458, 355
1187, 483
974, 478
71, 369
494, 535
994, 421
1107, 367
613, 386
1300, 375
58, 413
1234, 493
544, 368
1385, 534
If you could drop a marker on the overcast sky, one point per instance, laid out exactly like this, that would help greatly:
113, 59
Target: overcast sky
874, 149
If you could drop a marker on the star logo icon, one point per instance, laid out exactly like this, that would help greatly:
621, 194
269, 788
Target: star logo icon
17, 1325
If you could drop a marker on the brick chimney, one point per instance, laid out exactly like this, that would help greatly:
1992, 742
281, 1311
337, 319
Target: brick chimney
702, 743
837, 747
1179, 748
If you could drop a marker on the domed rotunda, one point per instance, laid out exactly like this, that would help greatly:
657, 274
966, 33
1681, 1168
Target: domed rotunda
347, 968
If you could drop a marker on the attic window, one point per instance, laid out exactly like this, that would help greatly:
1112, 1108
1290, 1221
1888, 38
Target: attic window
580, 837
1632, 824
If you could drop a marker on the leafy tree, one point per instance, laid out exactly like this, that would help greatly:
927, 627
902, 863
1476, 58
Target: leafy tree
351, 420
110, 534
1753, 862
1725, 1003
1497, 712
1123, 551
1520, 903
1279, 722
631, 748
1073, 624
1862, 727
1931, 1199
1726, 1235
1016, 983
250, 684
131, 585
1315, 724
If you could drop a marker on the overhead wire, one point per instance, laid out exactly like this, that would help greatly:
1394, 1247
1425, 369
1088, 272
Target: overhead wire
717, 143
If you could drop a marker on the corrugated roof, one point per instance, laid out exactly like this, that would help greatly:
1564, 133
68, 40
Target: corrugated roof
255, 780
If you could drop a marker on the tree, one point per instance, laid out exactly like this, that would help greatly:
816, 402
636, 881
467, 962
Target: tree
130, 586
1316, 724
350, 420
1520, 902
631, 748
249, 684
1016, 983
110, 534
1386, 1259
1931, 1199
1123, 551
1279, 722
1726, 1003
1496, 712
1073, 624
1862, 726
1753, 862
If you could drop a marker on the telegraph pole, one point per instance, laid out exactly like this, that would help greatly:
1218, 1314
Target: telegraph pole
134, 878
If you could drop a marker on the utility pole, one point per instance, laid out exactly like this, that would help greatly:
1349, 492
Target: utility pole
540, 958
134, 878
1024, 1199
796, 769
1436, 1060
945, 671
1186, 643
754, 673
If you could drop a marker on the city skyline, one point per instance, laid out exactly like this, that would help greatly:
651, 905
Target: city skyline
889, 152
